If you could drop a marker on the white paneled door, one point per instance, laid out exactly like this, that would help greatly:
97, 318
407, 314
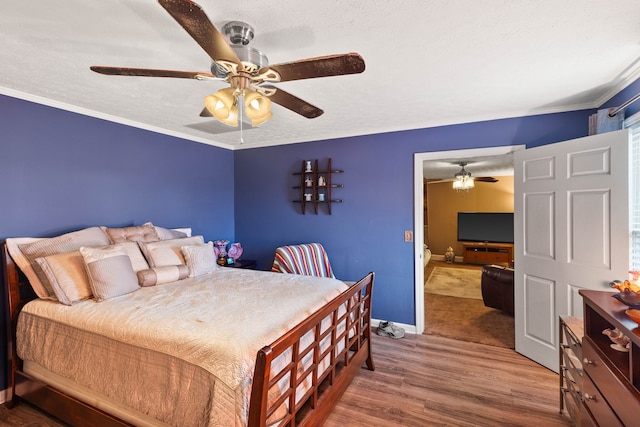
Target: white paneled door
571, 222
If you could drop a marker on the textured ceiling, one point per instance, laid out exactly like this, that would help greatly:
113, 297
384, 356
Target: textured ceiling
446, 168
428, 63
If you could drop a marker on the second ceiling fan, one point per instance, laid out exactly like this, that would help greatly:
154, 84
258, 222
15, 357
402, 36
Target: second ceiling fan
463, 180
245, 69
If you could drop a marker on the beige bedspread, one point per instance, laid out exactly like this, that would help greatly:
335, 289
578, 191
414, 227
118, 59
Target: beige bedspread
182, 352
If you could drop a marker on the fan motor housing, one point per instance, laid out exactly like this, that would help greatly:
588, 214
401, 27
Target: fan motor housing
240, 34
251, 55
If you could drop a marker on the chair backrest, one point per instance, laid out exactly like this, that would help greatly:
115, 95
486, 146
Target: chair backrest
309, 259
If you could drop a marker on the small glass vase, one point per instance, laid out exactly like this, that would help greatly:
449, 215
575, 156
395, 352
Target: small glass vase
220, 248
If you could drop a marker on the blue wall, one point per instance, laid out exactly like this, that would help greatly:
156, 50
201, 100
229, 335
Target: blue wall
623, 96
114, 175
62, 171
366, 232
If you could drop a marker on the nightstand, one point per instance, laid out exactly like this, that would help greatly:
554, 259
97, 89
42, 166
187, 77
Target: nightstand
249, 264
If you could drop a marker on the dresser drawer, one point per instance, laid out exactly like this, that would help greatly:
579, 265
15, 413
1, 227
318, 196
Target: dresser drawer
586, 419
572, 342
597, 407
573, 368
623, 400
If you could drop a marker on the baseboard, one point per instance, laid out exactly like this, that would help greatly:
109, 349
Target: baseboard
409, 329
441, 258
4, 396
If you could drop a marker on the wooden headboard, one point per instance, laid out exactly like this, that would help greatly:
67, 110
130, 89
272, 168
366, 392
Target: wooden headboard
19, 292
18, 289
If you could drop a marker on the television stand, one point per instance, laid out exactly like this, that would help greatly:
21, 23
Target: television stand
487, 253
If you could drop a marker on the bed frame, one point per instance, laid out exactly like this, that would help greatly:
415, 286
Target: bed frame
348, 349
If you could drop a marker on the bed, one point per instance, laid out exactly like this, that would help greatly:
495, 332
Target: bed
223, 347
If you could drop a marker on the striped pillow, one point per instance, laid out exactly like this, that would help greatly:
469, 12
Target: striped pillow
309, 259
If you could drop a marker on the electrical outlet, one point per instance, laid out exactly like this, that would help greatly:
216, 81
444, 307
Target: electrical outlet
408, 236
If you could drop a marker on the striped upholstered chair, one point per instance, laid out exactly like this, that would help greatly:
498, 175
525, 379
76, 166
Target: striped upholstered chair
309, 259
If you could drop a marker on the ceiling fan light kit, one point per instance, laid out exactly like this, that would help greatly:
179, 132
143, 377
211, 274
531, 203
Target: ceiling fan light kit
463, 181
244, 68
464, 184
257, 108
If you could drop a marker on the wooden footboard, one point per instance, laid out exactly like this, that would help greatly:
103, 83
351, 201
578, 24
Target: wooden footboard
323, 354
316, 360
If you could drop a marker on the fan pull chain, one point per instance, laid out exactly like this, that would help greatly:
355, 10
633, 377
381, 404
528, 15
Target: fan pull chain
241, 116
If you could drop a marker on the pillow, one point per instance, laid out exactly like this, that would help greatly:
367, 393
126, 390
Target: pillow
138, 261
159, 275
92, 236
168, 234
13, 246
140, 233
67, 275
167, 252
110, 272
185, 230
200, 259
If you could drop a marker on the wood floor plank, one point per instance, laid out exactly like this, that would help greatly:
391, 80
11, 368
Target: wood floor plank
446, 382
423, 380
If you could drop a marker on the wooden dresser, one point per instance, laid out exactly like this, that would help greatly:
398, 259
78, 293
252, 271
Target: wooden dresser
611, 380
571, 333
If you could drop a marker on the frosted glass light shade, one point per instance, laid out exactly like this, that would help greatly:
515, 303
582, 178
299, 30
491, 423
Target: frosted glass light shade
463, 183
222, 105
257, 107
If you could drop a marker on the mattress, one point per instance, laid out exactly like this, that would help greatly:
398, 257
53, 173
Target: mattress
182, 353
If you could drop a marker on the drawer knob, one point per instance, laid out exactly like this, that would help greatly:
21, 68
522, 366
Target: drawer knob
587, 361
587, 396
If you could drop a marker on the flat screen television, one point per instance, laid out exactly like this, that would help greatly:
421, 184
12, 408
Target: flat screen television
490, 227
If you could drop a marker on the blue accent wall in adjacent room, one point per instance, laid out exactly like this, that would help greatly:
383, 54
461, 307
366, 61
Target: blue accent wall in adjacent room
62, 171
365, 233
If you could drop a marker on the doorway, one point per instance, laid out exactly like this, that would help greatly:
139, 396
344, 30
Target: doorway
419, 160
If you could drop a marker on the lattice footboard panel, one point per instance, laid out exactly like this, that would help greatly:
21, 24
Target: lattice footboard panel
300, 377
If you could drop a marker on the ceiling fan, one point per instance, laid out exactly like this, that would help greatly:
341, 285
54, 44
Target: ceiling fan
245, 69
463, 180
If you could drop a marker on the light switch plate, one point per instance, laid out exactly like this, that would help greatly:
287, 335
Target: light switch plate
408, 236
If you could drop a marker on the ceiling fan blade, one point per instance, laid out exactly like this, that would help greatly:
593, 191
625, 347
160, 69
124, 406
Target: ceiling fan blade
193, 19
489, 179
148, 72
323, 66
293, 103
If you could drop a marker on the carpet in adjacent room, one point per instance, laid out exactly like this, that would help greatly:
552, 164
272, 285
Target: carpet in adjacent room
454, 282
468, 319
464, 318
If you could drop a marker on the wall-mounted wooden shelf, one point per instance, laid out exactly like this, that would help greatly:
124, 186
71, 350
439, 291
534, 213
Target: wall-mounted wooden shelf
315, 186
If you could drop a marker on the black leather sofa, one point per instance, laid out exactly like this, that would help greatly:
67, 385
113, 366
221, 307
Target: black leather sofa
497, 287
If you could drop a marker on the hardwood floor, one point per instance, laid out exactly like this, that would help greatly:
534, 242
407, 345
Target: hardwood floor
423, 380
